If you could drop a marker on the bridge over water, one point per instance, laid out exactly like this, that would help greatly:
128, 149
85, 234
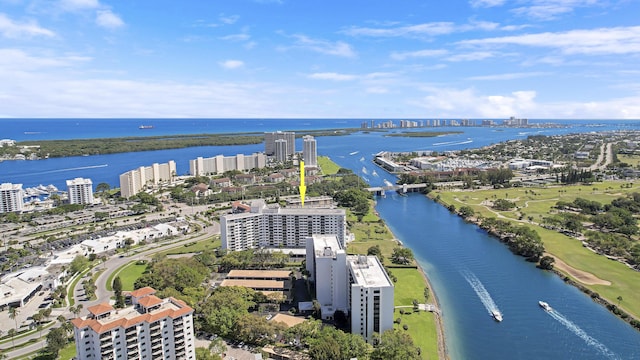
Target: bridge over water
405, 188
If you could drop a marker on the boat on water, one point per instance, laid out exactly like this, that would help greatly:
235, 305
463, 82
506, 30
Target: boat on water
144, 127
497, 316
353, 153
544, 305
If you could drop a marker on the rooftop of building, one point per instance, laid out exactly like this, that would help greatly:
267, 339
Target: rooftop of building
79, 181
367, 271
325, 245
254, 284
103, 317
264, 274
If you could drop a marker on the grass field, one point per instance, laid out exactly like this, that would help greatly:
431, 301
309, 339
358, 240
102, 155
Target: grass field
328, 167
194, 247
422, 324
68, 352
130, 273
633, 160
536, 203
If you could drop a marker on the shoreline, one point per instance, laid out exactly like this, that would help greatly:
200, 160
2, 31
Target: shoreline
442, 345
441, 340
577, 278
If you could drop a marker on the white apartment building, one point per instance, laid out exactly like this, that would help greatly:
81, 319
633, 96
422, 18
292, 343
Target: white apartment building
220, 163
274, 227
370, 296
270, 141
134, 181
80, 191
355, 284
11, 197
309, 151
152, 328
326, 262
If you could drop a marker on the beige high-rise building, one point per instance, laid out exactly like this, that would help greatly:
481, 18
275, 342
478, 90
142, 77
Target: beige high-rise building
219, 164
134, 181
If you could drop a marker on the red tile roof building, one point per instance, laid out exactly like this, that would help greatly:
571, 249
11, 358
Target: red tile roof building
152, 328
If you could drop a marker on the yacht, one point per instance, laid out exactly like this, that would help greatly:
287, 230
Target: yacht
144, 127
544, 305
496, 315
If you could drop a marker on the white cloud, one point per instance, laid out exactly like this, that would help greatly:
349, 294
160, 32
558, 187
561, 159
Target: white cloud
472, 56
443, 102
333, 76
486, 3
377, 90
231, 64
13, 30
507, 76
18, 61
337, 48
75, 5
418, 54
428, 29
228, 20
551, 9
107, 19
617, 40
236, 37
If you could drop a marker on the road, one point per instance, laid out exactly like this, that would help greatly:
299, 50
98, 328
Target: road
102, 294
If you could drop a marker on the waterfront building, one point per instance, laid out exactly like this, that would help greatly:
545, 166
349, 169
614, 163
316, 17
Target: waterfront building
326, 262
11, 197
270, 139
355, 284
80, 191
275, 227
219, 164
309, 151
151, 328
134, 181
282, 150
370, 295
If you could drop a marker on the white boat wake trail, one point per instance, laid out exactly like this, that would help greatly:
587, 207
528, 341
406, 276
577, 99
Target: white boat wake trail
480, 290
581, 334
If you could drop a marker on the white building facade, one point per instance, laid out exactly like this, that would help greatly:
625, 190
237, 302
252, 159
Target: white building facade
370, 296
11, 198
326, 262
134, 181
152, 328
309, 151
282, 150
219, 164
280, 227
80, 191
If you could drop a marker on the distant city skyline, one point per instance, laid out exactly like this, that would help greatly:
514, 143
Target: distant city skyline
548, 59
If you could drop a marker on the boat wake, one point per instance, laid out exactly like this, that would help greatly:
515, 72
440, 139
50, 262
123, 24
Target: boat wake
449, 143
481, 291
581, 334
70, 169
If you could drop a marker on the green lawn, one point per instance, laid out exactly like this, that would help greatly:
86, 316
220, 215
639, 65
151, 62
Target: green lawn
633, 160
68, 352
193, 247
130, 273
422, 325
537, 203
327, 165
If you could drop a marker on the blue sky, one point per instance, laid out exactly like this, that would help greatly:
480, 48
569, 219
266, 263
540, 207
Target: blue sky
554, 59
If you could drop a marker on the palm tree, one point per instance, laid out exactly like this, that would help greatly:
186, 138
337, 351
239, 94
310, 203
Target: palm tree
13, 314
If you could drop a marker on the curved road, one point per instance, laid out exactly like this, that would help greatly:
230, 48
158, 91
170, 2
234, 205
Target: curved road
102, 294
